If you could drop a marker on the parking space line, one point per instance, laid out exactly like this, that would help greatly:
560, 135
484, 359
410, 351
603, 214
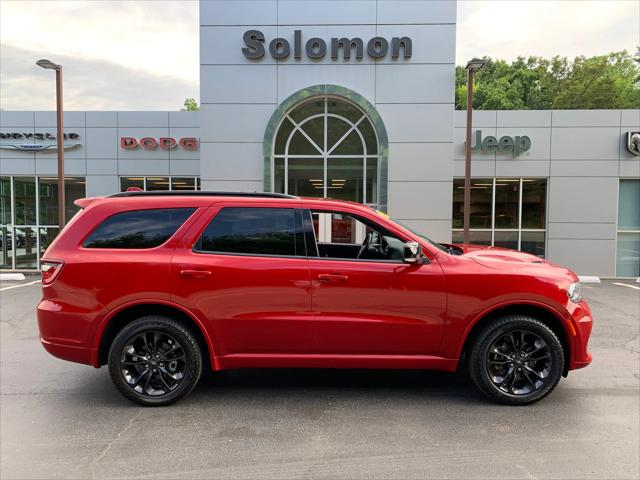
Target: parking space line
625, 285
31, 283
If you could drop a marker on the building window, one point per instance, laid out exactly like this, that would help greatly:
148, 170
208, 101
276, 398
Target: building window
29, 216
327, 147
74, 188
160, 183
628, 248
505, 212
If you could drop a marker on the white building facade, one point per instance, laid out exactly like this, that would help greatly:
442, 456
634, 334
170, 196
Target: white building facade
351, 100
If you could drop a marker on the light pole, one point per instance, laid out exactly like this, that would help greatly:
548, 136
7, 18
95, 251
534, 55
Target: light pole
473, 66
59, 137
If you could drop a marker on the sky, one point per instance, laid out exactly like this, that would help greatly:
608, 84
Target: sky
144, 55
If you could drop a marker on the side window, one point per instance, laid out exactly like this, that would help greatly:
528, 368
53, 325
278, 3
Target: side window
339, 235
309, 228
337, 227
257, 231
138, 228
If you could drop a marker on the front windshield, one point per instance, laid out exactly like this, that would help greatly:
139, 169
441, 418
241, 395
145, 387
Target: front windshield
414, 231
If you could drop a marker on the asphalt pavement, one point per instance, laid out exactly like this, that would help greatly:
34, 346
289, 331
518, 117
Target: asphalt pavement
63, 420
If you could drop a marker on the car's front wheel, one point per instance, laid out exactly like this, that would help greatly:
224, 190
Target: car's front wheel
155, 361
516, 360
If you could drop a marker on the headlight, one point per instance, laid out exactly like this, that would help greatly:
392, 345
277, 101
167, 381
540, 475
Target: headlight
574, 292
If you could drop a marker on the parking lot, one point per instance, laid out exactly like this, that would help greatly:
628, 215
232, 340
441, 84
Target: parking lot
63, 420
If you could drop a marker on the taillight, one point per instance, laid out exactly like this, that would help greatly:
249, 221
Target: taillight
50, 270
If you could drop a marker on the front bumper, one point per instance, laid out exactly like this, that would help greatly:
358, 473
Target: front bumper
582, 322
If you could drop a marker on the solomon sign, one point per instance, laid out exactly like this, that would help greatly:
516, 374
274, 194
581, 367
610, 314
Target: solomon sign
316, 48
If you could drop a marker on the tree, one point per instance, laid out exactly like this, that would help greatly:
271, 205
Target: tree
536, 83
503, 86
605, 81
190, 105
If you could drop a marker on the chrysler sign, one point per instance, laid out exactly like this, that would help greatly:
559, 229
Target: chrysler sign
36, 147
36, 136
25, 141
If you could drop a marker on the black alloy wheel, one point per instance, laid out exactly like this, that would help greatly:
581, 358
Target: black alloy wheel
516, 360
155, 361
519, 362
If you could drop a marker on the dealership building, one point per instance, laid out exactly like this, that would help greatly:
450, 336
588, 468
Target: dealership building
351, 100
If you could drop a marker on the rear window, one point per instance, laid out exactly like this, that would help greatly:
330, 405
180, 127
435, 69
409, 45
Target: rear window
258, 231
138, 228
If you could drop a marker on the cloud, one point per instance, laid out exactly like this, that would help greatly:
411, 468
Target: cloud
117, 55
144, 55
89, 84
508, 29
149, 35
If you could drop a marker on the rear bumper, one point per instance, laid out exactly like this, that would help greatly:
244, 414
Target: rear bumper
64, 334
71, 353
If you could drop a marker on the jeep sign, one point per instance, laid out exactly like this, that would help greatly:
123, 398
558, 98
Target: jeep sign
514, 145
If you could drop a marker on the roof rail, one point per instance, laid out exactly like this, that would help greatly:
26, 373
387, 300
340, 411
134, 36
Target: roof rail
199, 193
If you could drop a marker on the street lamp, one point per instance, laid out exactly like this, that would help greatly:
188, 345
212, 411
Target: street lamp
48, 64
473, 66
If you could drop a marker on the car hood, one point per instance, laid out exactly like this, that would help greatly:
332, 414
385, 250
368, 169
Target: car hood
515, 262
500, 258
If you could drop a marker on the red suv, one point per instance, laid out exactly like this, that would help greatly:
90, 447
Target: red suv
157, 284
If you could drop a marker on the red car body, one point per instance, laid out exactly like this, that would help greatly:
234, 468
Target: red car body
260, 311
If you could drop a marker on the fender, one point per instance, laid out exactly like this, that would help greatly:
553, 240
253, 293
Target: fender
107, 319
565, 321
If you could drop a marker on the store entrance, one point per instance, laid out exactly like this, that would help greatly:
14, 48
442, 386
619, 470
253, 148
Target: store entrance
327, 147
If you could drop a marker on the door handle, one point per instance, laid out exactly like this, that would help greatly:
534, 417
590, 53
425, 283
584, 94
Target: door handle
331, 277
195, 273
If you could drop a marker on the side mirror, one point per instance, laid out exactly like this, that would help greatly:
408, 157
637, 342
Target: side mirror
412, 252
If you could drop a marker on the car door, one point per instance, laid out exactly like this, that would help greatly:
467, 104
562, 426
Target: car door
375, 307
244, 271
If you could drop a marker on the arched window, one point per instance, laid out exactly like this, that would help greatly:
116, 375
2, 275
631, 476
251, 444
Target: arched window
327, 147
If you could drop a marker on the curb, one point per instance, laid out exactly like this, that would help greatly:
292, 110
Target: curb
26, 273
14, 277
588, 279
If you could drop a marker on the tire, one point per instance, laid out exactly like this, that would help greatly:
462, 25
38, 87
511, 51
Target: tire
155, 361
499, 369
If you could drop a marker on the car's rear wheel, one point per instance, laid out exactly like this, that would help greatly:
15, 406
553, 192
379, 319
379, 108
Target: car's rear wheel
155, 361
516, 360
